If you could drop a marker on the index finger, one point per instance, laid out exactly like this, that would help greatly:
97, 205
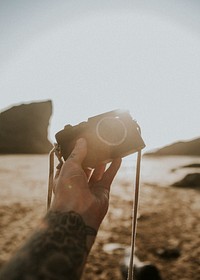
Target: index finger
76, 157
79, 152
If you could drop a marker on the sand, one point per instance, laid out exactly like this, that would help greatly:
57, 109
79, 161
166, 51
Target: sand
168, 218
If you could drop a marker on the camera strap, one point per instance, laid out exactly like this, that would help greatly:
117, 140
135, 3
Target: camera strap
134, 217
56, 151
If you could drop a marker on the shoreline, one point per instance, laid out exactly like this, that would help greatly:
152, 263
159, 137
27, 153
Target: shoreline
168, 219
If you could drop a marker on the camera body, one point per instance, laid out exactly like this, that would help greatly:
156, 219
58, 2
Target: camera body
110, 135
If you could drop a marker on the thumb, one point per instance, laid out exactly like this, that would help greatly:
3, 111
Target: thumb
79, 152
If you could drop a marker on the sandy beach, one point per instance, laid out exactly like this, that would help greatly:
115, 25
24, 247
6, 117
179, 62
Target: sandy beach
168, 219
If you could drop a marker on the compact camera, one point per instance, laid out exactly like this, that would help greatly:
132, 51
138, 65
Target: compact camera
110, 135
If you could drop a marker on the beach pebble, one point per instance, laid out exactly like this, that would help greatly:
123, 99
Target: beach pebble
168, 253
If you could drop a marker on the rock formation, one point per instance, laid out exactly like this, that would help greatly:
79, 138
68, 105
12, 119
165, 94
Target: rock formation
191, 180
142, 270
24, 129
186, 148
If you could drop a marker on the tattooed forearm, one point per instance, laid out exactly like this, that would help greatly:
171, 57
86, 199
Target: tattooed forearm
56, 251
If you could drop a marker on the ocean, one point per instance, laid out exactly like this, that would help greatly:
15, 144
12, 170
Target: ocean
163, 171
25, 177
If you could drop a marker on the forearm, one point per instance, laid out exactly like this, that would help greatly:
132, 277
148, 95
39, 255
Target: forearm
58, 250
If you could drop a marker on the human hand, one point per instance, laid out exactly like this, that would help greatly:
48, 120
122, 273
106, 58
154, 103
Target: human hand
84, 191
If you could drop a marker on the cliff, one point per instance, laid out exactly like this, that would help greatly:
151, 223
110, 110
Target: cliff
186, 148
24, 129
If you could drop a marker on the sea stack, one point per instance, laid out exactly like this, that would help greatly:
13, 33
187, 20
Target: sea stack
24, 129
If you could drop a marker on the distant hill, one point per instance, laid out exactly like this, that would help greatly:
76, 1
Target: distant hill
183, 148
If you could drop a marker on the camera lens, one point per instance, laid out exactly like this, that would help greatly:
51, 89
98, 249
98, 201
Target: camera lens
111, 130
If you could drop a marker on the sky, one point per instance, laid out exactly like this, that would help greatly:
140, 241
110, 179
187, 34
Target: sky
90, 57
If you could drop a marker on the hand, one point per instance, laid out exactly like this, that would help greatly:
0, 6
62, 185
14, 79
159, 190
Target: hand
84, 191
59, 247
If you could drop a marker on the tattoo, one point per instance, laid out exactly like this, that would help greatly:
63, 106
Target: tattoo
72, 155
57, 251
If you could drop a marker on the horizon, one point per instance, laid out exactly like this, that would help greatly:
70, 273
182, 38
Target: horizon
91, 58
50, 138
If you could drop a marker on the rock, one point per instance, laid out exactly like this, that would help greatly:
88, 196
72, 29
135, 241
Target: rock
189, 181
142, 270
192, 165
169, 253
24, 129
182, 148
109, 248
147, 271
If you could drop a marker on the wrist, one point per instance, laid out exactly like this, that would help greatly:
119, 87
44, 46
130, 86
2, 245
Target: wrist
77, 227
89, 212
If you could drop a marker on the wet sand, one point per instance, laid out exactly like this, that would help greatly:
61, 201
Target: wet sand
168, 219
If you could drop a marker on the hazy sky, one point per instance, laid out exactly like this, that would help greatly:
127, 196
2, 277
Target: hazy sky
90, 57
